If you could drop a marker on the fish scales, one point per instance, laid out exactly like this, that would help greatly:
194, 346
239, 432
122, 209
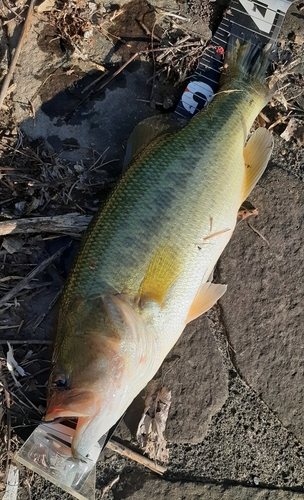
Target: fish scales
142, 270
172, 183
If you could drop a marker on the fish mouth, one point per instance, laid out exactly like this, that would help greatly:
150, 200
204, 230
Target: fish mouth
92, 414
83, 404
73, 403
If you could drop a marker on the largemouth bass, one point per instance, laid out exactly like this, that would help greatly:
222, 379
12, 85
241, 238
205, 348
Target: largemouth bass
142, 270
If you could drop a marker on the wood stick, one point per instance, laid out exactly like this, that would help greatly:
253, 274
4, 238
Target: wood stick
8, 412
64, 224
109, 486
91, 93
46, 311
26, 341
118, 447
11, 70
7, 327
23, 283
258, 233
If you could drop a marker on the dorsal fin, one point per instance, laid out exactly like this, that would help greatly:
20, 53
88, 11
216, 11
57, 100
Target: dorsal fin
208, 294
256, 156
148, 131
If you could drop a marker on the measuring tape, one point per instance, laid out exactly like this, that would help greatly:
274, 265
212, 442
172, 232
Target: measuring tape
253, 21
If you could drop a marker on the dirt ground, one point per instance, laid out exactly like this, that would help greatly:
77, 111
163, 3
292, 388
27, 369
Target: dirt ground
235, 427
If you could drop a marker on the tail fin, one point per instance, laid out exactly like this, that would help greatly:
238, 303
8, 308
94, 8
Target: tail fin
246, 62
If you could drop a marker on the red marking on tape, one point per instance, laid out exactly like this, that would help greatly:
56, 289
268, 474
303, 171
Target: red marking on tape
220, 50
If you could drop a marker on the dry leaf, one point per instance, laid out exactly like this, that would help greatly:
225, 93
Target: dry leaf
12, 244
151, 428
297, 38
294, 129
246, 210
45, 6
35, 203
13, 366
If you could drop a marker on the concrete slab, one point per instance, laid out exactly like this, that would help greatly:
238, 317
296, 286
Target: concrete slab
245, 443
262, 308
195, 491
198, 380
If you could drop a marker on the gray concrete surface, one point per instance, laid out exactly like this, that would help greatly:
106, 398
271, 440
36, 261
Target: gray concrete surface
266, 281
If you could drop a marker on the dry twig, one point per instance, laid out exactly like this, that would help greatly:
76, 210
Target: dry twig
27, 341
109, 486
9, 75
7, 400
46, 311
63, 224
23, 283
258, 233
118, 447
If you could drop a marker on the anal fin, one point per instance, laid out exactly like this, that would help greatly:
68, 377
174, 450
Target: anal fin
256, 156
208, 294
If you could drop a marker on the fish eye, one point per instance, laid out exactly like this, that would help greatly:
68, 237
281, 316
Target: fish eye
59, 381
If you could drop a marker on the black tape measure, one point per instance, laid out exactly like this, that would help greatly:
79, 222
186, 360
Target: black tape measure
254, 21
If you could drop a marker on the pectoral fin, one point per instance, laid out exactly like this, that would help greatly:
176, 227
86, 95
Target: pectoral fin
162, 272
208, 294
256, 156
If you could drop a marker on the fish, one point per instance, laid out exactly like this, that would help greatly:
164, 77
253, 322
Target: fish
143, 269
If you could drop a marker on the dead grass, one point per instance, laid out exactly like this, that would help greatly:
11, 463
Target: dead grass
35, 180
179, 60
73, 22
